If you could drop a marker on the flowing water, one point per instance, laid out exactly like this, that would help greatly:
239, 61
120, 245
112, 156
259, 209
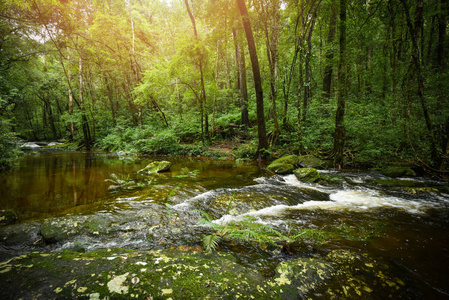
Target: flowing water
407, 230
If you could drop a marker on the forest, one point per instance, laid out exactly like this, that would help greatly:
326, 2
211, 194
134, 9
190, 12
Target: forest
361, 82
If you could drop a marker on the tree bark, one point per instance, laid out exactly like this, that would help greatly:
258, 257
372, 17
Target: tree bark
339, 137
415, 30
242, 82
203, 105
261, 131
328, 69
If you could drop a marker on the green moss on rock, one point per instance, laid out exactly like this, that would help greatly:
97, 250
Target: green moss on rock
175, 274
281, 168
307, 174
289, 159
397, 172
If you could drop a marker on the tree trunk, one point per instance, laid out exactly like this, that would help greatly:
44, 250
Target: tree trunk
328, 69
339, 137
110, 97
308, 70
261, 131
271, 41
241, 67
203, 105
86, 129
442, 97
415, 31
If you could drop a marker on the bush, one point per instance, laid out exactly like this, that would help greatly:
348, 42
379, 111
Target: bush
8, 152
245, 151
162, 143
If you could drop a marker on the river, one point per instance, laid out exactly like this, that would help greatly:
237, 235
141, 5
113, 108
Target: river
408, 230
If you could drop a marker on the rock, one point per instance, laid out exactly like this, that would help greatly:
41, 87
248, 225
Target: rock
7, 217
63, 229
281, 168
307, 174
185, 274
156, 167
289, 159
19, 238
310, 161
397, 172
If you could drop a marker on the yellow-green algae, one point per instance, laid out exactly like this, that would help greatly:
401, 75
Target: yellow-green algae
190, 275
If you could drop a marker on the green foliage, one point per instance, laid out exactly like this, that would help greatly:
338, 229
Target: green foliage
248, 229
8, 151
245, 151
163, 143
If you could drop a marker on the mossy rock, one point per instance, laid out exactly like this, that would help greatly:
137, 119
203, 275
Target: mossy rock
8, 216
289, 159
398, 183
281, 168
156, 167
186, 273
397, 172
307, 174
310, 161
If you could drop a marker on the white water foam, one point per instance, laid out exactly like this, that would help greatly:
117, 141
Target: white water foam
30, 145
343, 200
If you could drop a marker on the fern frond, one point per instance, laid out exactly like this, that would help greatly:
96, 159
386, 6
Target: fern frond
210, 242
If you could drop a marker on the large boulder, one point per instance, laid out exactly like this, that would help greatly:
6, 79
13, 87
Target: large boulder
310, 161
284, 165
281, 169
289, 159
185, 273
307, 174
156, 167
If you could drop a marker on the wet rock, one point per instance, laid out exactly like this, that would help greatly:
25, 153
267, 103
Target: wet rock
310, 161
289, 159
7, 217
307, 174
62, 229
18, 238
185, 274
397, 172
156, 167
123, 274
281, 168
340, 275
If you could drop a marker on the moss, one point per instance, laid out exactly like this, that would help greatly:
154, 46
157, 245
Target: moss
289, 159
281, 168
125, 274
310, 161
307, 174
397, 171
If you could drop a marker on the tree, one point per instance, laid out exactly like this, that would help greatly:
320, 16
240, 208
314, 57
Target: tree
261, 131
339, 137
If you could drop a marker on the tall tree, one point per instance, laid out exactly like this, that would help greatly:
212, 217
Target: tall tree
339, 137
242, 82
203, 104
261, 131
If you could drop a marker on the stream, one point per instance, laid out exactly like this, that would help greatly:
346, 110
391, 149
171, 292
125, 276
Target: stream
107, 203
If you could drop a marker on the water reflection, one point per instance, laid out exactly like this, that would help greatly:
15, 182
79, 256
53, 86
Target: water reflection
49, 184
